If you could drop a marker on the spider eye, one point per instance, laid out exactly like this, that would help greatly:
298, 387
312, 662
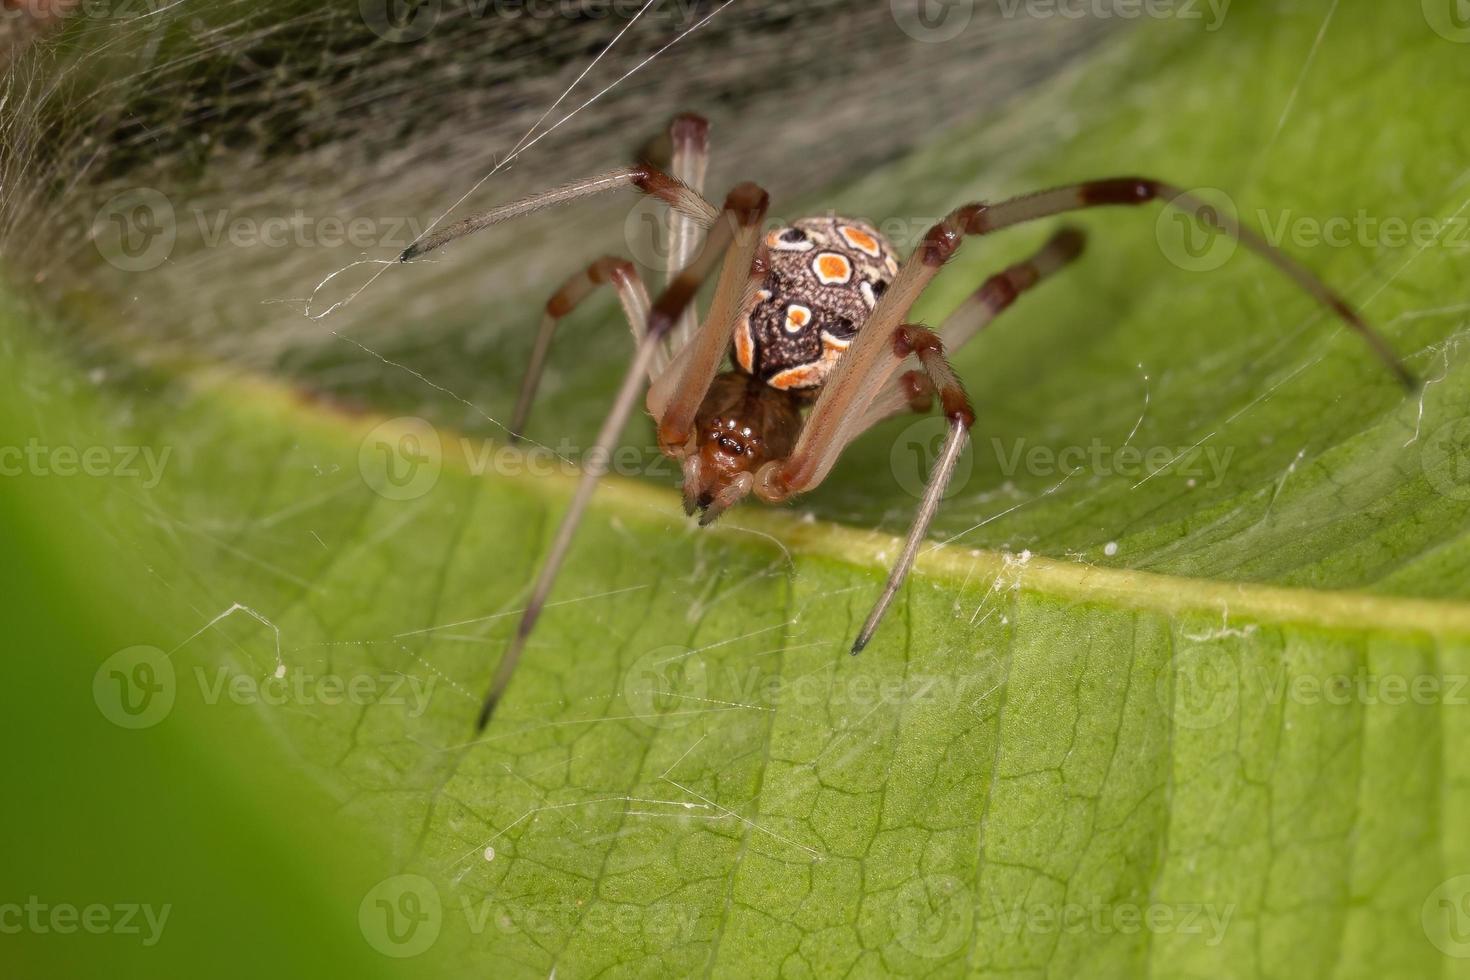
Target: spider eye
880, 287
793, 235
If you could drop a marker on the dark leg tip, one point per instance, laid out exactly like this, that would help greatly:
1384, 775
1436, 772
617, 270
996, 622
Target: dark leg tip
858, 645
486, 711
1070, 241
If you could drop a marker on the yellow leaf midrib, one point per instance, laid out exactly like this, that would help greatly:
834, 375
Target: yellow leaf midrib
1232, 603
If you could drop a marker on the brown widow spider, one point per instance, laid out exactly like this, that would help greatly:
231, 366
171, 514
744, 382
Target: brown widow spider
814, 316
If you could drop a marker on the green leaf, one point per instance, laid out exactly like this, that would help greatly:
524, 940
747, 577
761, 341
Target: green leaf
1204, 720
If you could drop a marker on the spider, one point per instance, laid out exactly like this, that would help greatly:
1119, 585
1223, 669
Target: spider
814, 319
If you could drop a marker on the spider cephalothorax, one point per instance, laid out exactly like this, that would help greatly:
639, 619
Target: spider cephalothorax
826, 275
742, 424
813, 316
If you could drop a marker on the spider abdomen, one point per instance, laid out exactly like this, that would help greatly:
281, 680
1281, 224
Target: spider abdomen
825, 279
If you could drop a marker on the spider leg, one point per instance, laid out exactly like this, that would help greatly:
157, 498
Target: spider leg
938, 376
999, 292
983, 219
734, 237
837, 416
675, 396
929, 349
912, 391
633, 295
645, 177
689, 135
915, 390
